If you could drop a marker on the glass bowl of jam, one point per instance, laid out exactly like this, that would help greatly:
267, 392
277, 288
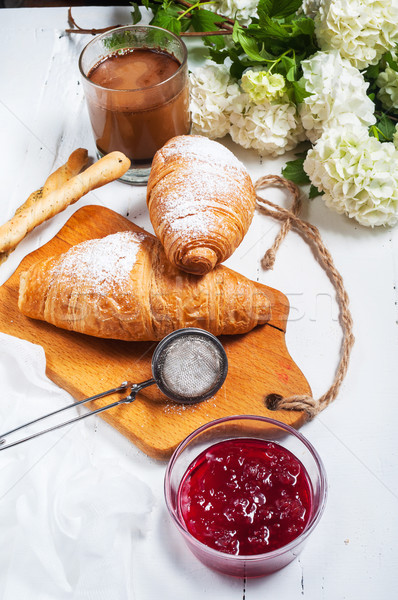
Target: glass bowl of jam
245, 492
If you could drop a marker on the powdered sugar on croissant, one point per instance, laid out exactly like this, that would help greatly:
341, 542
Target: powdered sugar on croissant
201, 202
123, 287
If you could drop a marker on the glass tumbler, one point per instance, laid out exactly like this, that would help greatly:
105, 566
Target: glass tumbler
136, 118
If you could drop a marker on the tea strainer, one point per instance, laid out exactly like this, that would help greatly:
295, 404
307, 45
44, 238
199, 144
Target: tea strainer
188, 366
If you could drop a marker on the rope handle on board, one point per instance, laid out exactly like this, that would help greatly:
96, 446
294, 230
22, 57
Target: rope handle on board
311, 235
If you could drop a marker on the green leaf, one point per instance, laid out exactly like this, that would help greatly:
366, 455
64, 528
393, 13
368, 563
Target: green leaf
135, 13
299, 92
263, 9
205, 20
280, 8
218, 55
291, 74
165, 18
290, 67
384, 128
294, 171
302, 26
372, 72
249, 45
235, 32
271, 27
238, 67
215, 41
391, 61
314, 192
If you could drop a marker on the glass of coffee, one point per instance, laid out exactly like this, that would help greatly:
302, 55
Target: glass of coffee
135, 81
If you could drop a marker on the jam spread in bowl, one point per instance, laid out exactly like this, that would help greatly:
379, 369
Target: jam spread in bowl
245, 492
245, 496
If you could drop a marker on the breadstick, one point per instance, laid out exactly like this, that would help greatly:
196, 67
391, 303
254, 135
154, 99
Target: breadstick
75, 163
41, 207
77, 160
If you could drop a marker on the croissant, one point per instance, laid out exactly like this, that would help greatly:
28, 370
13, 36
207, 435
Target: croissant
201, 202
123, 287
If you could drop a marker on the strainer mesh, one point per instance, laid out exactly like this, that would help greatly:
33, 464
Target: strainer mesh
190, 366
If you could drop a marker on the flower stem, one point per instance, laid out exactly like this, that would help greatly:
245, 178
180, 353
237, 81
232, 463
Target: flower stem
275, 62
188, 5
193, 7
223, 28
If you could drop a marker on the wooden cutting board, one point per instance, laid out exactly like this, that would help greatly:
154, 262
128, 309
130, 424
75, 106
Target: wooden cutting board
259, 363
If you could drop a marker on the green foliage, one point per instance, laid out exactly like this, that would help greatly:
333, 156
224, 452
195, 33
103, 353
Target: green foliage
384, 127
279, 8
278, 40
167, 17
314, 192
176, 17
248, 45
294, 171
205, 20
135, 13
276, 43
298, 92
390, 61
294, 31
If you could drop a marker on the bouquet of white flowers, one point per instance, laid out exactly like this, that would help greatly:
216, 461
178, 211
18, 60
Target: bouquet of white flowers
325, 71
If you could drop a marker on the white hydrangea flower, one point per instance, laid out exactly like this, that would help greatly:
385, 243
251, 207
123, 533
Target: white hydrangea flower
212, 93
263, 85
310, 7
338, 95
387, 81
270, 128
362, 30
358, 174
241, 10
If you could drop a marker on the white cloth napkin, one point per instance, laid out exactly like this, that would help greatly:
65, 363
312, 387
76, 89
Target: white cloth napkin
69, 517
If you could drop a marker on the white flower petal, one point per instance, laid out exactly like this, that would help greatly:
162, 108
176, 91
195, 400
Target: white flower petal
270, 128
338, 95
361, 30
358, 174
310, 7
387, 81
212, 94
241, 10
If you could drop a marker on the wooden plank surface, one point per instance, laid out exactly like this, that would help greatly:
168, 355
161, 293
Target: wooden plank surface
259, 363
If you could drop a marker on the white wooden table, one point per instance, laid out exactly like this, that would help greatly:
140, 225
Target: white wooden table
352, 553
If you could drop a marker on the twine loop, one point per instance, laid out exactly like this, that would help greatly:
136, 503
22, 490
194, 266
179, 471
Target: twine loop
289, 220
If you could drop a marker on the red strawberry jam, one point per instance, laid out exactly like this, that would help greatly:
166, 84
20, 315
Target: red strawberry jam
245, 496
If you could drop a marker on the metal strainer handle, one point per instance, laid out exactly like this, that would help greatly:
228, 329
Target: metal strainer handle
134, 389
126, 385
